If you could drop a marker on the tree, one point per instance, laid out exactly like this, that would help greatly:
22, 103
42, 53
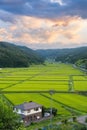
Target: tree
8, 119
54, 110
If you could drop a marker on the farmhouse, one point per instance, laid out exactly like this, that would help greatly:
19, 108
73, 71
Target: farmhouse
29, 111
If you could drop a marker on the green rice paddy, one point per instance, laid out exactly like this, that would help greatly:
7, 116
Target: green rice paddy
58, 77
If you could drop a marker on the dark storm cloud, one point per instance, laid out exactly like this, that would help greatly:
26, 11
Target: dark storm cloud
7, 17
76, 7
45, 8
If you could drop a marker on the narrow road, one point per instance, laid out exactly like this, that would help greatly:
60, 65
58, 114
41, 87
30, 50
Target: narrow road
82, 119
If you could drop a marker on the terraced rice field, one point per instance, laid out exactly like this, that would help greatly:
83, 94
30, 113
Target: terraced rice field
58, 77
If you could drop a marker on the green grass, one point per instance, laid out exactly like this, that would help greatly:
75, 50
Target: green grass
3, 85
37, 86
74, 101
40, 77
36, 98
80, 85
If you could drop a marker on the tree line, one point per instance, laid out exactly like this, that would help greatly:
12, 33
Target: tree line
18, 56
76, 56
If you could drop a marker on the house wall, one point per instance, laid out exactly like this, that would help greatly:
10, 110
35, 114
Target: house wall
28, 112
32, 117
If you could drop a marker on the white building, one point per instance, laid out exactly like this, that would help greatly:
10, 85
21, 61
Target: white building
29, 111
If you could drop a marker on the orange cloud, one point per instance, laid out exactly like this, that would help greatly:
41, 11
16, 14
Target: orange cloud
31, 30
13, 27
2, 31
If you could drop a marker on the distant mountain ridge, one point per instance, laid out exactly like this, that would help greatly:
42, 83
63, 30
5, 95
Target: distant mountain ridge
12, 55
18, 56
71, 55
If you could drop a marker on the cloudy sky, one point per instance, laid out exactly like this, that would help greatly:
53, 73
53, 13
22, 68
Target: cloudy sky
44, 23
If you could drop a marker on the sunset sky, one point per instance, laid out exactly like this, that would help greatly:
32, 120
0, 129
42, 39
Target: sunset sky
43, 24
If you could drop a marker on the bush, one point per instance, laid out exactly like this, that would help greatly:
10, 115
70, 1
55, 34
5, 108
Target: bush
86, 119
48, 110
64, 121
8, 119
74, 118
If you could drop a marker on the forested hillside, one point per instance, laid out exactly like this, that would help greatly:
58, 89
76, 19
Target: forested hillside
73, 55
17, 56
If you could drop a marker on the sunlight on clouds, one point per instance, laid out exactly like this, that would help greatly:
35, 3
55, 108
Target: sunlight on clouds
34, 31
34, 23
2, 31
13, 27
51, 28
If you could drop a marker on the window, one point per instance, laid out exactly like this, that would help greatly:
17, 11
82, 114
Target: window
28, 111
36, 109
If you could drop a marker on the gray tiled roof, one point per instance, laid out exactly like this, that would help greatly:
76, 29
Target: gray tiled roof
28, 105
